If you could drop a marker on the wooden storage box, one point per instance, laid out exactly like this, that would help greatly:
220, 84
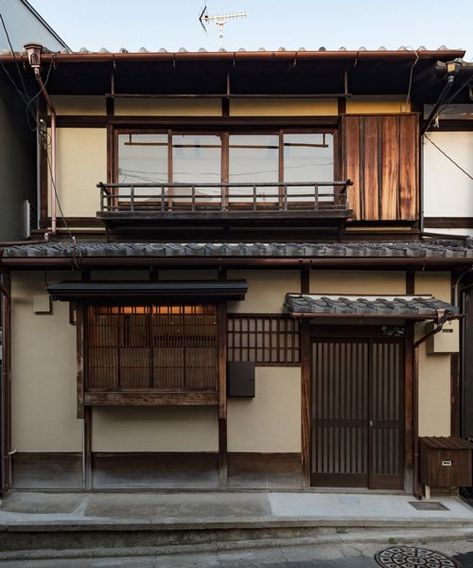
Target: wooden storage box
445, 462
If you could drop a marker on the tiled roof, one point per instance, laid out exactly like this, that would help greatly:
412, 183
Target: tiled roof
417, 307
372, 249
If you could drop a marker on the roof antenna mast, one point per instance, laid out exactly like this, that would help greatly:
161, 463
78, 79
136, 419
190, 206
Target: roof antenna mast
220, 21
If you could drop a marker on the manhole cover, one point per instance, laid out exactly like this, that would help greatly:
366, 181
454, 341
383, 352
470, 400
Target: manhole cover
411, 557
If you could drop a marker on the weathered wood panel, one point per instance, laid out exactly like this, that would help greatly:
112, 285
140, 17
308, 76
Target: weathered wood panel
381, 157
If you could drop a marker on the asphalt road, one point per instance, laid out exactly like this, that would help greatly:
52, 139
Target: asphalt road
314, 556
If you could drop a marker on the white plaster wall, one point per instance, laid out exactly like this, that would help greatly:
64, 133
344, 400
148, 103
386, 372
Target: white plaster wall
448, 192
271, 422
44, 399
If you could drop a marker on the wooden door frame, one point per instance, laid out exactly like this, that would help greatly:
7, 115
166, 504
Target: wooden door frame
410, 396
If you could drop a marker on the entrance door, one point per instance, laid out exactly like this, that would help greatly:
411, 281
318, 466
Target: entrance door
357, 413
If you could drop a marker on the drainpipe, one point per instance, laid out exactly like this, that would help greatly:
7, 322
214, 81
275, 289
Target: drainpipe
33, 51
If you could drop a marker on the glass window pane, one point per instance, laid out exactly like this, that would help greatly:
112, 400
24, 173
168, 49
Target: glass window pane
254, 159
196, 160
142, 158
309, 158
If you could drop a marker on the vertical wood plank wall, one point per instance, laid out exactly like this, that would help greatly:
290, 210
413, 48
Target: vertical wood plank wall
380, 154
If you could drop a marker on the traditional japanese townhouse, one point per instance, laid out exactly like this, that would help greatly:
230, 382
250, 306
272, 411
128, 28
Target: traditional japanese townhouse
235, 287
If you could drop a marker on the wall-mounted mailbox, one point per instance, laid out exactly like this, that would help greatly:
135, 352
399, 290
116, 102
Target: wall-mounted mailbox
445, 462
240, 379
445, 341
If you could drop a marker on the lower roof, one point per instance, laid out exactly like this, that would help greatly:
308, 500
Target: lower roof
405, 307
360, 249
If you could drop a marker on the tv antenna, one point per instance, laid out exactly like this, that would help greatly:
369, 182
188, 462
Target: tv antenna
219, 20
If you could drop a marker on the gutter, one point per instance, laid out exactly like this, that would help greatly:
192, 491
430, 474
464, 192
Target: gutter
34, 59
42, 262
320, 55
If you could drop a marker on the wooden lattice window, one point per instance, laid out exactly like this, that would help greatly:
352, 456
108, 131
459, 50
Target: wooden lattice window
263, 339
151, 348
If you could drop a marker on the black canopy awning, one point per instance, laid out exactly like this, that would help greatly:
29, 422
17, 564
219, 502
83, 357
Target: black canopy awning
159, 291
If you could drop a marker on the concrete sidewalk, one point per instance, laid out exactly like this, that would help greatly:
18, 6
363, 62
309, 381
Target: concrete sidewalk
224, 509
77, 525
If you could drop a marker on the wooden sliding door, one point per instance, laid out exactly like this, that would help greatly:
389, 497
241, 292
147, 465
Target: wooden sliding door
358, 413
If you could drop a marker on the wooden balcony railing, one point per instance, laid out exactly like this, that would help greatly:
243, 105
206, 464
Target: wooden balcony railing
146, 200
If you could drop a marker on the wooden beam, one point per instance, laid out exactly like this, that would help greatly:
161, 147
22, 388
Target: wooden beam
410, 282
222, 393
149, 398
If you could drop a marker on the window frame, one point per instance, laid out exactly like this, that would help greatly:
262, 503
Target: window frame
224, 134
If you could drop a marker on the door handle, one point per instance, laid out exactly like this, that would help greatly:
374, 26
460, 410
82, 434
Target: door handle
371, 423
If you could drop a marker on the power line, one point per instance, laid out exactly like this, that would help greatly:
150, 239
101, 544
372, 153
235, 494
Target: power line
449, 157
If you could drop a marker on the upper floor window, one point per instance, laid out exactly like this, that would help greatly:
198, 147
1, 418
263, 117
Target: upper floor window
272, 157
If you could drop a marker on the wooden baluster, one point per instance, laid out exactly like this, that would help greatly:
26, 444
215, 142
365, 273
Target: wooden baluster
132, 195
254, 198
316, 196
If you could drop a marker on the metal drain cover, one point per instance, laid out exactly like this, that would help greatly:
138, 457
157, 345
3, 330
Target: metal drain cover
428, 506
411, 557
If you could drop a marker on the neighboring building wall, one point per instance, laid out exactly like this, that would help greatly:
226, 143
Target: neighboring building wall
25, 25
17, 164
448, 192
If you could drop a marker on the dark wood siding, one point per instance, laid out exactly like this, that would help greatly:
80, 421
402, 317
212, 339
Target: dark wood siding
380, 155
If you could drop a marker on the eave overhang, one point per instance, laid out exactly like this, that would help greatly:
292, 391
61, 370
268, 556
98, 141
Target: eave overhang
148, 291
417, 308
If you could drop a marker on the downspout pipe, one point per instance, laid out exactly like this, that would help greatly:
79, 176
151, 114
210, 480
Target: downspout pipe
34, 51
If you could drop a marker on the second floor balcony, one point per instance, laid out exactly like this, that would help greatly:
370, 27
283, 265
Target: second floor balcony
145, 203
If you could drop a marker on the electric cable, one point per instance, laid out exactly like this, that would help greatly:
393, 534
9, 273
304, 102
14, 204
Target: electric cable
449, 157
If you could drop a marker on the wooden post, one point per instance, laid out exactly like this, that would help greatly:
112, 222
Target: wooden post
409, 409
87, 450
222, 393
305, 400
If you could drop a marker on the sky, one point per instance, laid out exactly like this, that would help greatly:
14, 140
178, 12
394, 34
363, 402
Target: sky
292, 24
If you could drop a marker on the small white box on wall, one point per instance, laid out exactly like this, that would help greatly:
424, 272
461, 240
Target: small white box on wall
445, 341
42, 304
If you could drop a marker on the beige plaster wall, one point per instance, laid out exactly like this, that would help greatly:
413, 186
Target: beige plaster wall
164, 429
44, 403
434, 370
283, 107
436, 283
79, 105
357, 282
168, 107
271, 422
369, 104
81, 164
266, 290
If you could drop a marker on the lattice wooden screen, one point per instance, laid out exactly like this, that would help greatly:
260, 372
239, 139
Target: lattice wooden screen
159, 348
263, 339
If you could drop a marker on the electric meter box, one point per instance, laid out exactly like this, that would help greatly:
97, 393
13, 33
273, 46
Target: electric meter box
445, 341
